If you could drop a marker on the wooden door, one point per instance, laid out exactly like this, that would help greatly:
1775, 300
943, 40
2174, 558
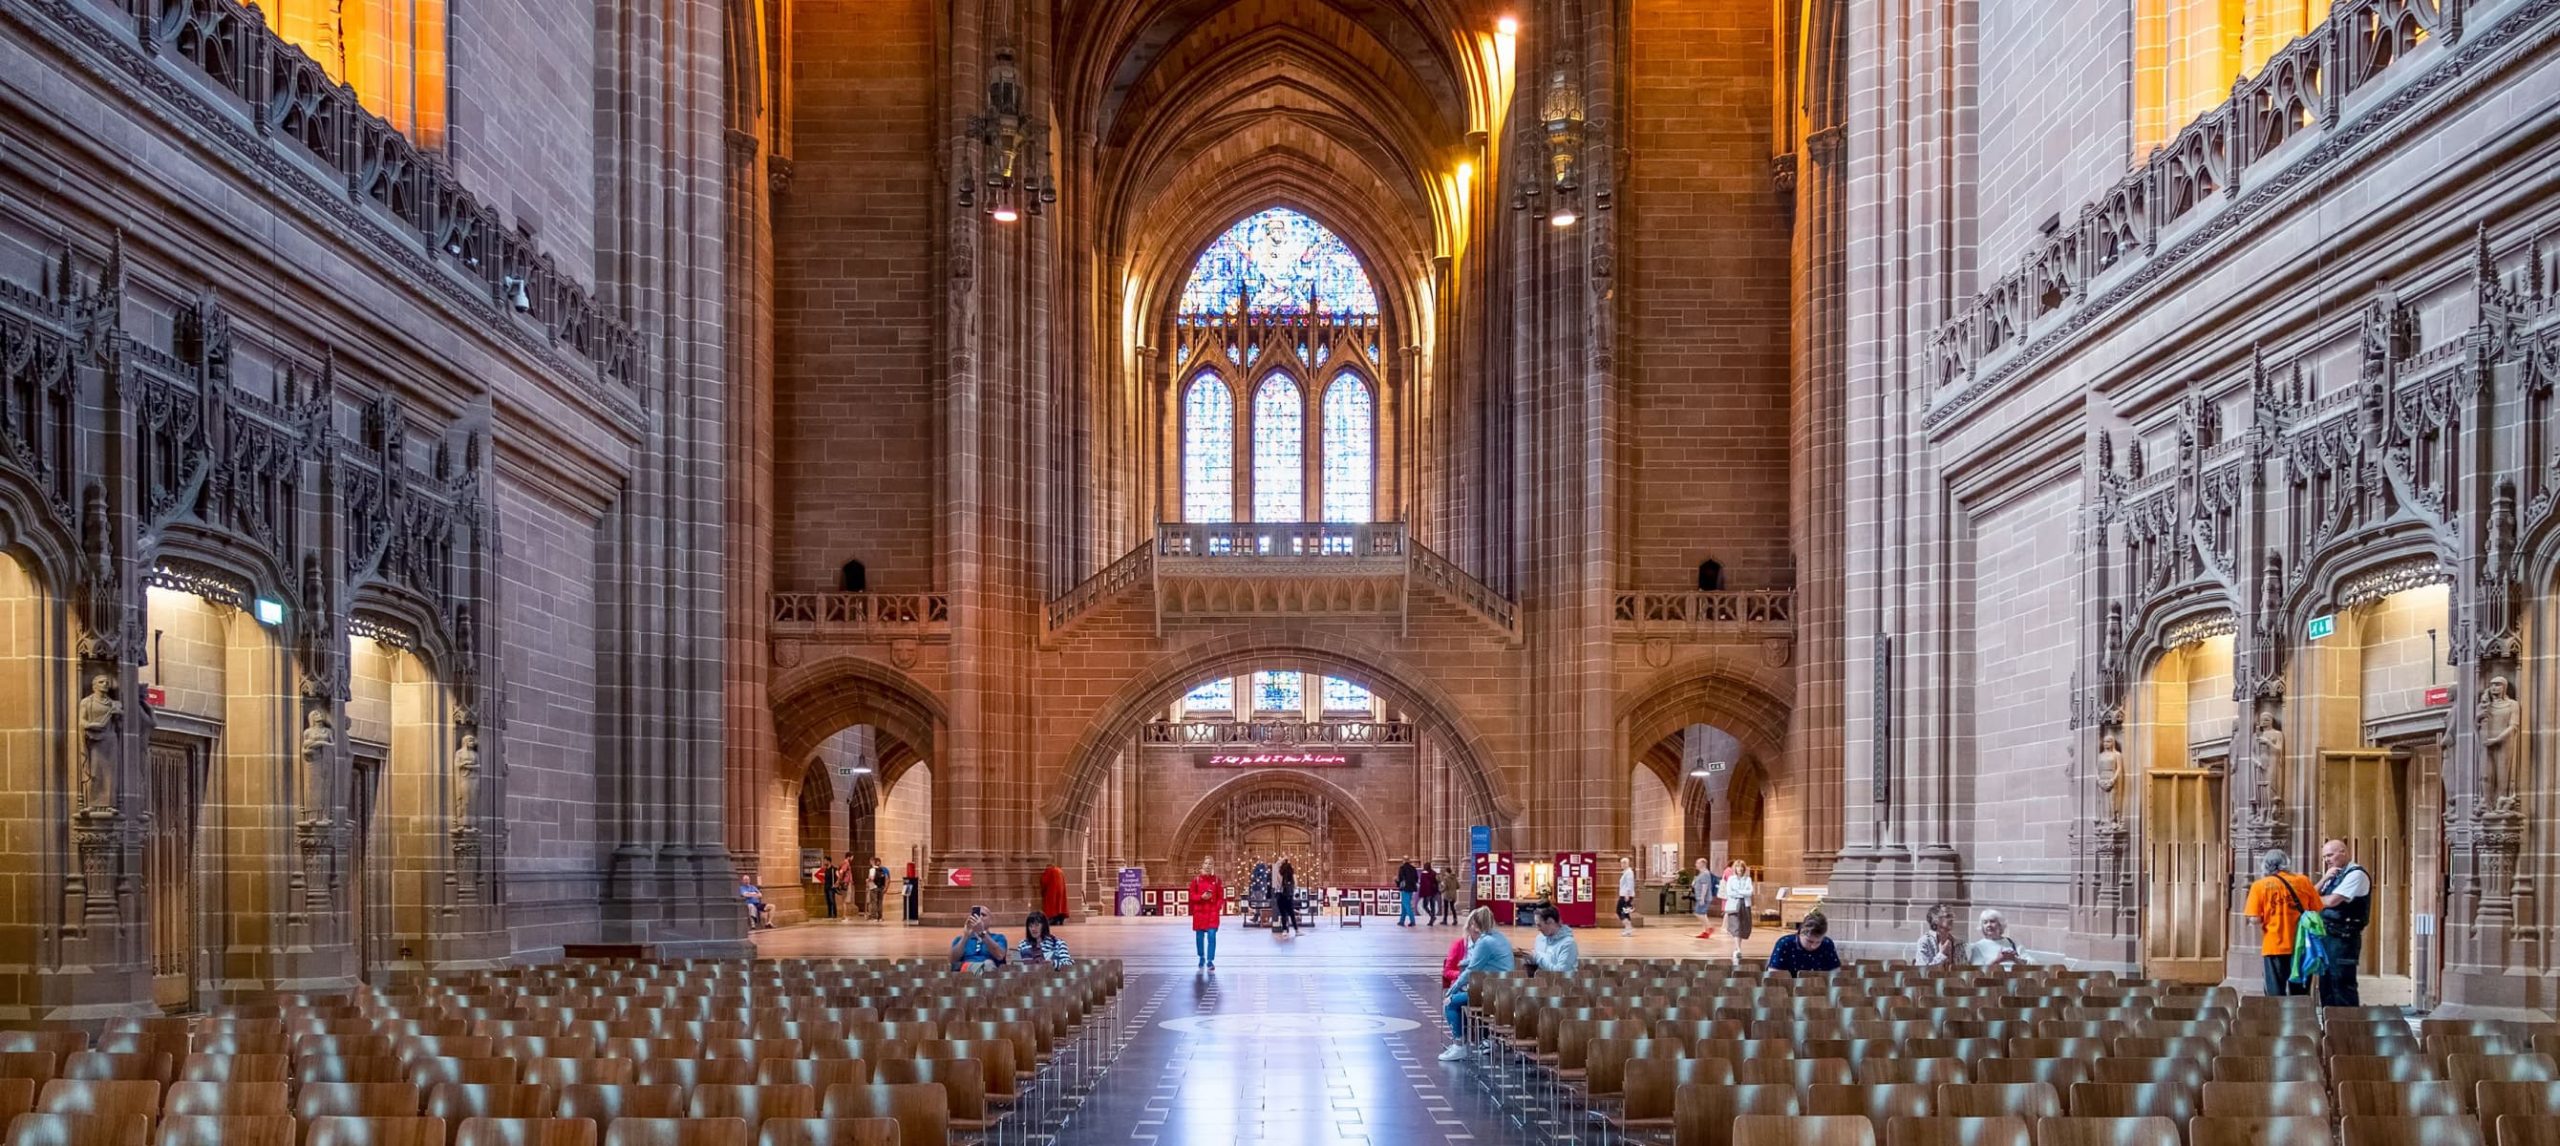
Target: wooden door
368, 890
2186, 857
2362, 801
176, 788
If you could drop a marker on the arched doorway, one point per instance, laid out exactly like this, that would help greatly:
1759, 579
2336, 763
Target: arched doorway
2181, 718
402, 804
868, 732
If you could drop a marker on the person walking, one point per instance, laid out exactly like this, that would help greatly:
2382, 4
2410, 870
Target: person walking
1488, 953
1738, 888
1208, 899
2346, 905
2278, 900
1287, 895
1428, 883
1408, 881
1627, 898
879, 885
1702, 898
830, 882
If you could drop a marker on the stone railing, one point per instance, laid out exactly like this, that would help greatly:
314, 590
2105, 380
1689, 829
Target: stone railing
1462, 589
1738, 611
2298, 92
857, 616
1224, 733
1279, 540
1133, 569
285, 115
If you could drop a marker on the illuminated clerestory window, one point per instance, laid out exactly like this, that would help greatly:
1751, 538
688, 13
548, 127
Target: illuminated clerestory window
2187, 53
392, 52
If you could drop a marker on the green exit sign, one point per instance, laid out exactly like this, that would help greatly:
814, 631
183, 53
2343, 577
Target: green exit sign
2323, 625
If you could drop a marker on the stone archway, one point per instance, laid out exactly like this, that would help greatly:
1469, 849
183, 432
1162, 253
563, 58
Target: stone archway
1237, 796
1434, 711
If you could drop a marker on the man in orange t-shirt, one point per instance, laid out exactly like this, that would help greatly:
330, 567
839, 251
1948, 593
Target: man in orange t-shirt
2276, 901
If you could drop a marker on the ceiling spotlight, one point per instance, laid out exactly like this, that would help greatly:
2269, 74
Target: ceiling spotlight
1700, 773
1564, 216
1507, 26
1004, 213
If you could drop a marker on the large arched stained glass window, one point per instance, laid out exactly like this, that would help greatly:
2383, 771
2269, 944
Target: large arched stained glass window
1279, 262
1279, 451
1208, 451
1350, 449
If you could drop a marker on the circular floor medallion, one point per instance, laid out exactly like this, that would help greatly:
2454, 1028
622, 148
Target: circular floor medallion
1289, 1025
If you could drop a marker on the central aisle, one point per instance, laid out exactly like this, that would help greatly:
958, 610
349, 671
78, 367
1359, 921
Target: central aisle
1285, 1056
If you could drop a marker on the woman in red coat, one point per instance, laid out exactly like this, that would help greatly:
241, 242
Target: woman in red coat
1208, 901
1053, 894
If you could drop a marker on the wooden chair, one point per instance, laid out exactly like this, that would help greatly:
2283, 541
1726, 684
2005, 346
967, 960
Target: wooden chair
816, 1073
2383, 1068
17, 1096
525, 1132
1875, 1103
922, 1111
2493, 1100
100, 1096
2397, 1099
2133, 1100
2106, 1131
1802, 1130
78, 1130
2264, 1100
1795, 1072
2028, 1100
220, 1098
2287, 1068
754, 1104
830, 1132
40, 1066
434, 1072
2043, 1047
1704, 1115
964, 1088
1926, 1071
357, 1100
228, 1130
1970, 1050
2059, 1073
2468, 1071
692, 1072
1999, 1130
108, 1065
336, 1130
456, 1101
2136, 1046
594, 1071
61, 1044
2277, 1131
2526, 1130
602, 1103
2182, 1071
235, 1068
379, 1069
2410, 1130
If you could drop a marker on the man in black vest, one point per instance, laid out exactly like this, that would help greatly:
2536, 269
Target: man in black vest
2346, 902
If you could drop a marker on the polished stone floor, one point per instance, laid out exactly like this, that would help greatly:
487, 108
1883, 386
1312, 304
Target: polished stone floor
1324, 1037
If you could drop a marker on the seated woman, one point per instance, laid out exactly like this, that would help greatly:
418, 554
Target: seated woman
978, 947
1041, 945
1995, 949
1809, 949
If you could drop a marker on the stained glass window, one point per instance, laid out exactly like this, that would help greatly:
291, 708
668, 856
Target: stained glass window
1214, 696
1279, 451
1349, 449
1284, 263
1278, 692
1208, 451
1343, 696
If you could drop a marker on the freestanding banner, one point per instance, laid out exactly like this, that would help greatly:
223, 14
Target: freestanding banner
1133, 881
1575, 888
1493, 884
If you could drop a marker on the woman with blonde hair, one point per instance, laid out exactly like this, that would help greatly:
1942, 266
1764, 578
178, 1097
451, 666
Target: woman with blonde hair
1487, 953
1738, 888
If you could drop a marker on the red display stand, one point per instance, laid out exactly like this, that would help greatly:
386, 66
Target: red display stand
1493, 884
1575, 888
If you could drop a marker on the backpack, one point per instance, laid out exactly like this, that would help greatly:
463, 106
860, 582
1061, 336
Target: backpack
2310, 941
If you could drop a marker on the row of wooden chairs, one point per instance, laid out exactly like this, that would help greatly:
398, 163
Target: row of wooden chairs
1703, 1121
273, 1130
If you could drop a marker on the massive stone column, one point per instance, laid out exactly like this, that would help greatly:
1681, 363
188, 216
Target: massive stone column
662, 169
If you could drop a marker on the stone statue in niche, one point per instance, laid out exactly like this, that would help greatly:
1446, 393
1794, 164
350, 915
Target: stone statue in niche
99, 711
317, 735
2498, 716
2269, 756
466, 779
2111, 770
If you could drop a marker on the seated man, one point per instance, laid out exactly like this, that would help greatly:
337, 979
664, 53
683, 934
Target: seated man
1556, 952
1809, 949
759, 913
977, 946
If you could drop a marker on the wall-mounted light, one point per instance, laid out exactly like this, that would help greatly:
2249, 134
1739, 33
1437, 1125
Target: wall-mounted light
1013, 149
1554, 191
268, 610
1506, 26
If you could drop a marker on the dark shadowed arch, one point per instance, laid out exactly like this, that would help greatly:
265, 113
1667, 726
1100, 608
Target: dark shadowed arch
1743, 708
847, 691
1404, 687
